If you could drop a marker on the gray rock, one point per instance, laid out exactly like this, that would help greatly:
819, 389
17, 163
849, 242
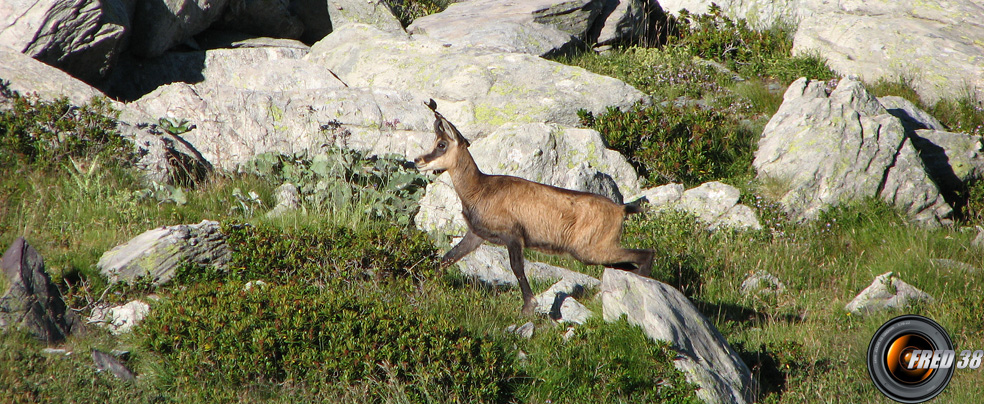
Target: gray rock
829, 148
159, 252
26, 75
120, 319
160, 25
288, 199
82, 38
663, 195
947, 263
951, 159
550, 154
490, 264
272, 18
886, 292
374, 12
912, 116
107, 362
714, 203
164, 157
936, 45
558, 303
760, 14
978, 241
665, 314
624, 21
537, 27
524, 331
31, 301
762, 283
478, 91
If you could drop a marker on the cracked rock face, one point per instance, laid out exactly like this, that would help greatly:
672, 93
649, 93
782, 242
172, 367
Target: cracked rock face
825, 147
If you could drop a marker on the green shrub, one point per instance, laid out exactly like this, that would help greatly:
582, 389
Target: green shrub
321, 255
408, 10
49, 133
605, 363
750, 52
310, 336
671, 143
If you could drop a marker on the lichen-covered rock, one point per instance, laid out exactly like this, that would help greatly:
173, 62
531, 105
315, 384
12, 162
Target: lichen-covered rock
82, 37
536, 27
760, 14
936, 45
886, 292
375, 13
714, 203
665, 314
478, 91
31, 301
156, 254
549, 154
828, 147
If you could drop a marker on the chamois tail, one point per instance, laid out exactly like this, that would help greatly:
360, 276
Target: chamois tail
635, 206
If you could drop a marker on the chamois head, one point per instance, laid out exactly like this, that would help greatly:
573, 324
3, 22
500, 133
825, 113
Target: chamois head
447, 145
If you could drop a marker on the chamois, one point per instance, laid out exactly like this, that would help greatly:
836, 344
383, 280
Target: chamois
518, 213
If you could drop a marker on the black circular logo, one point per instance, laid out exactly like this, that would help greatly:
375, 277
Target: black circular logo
893, 368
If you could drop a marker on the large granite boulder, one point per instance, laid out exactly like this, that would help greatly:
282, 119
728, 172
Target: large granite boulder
936, 45
537, 27
29, 76
160, 25
478, 90
830, 146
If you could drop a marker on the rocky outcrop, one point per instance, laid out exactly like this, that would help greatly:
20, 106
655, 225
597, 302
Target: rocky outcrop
375, 13
164, 157
714, 203
623, 21
550, 154
29, 76
936, 45
536, 27
156, 254
81, 37
830, 146
887, 291
665, 314
478, 91
31, 301
760, 14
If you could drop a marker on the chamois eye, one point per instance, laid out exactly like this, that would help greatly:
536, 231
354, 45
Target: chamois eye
442, 145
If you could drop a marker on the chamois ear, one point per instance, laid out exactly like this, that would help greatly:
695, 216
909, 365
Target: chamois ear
444, 127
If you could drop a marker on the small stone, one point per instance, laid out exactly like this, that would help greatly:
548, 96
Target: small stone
886, 292
525, 330
762, 282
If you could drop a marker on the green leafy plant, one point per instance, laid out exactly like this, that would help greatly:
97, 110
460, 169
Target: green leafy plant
174, 126
381, 187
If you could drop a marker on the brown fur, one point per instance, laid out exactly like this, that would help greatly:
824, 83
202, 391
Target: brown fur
518, 213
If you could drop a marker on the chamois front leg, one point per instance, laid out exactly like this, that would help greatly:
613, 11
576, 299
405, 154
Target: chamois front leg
515, 248
469, 243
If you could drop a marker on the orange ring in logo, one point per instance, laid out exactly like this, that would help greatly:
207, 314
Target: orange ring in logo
898, 356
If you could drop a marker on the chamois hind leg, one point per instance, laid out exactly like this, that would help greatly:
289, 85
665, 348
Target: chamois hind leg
469, 243
515, 248
626, 259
